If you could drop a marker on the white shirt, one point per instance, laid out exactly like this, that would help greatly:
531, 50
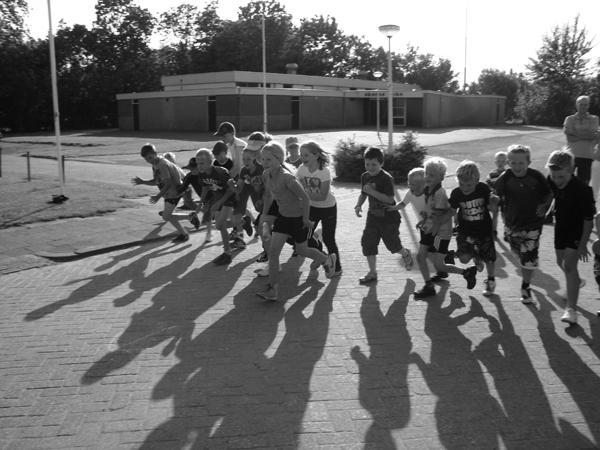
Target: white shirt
312, 183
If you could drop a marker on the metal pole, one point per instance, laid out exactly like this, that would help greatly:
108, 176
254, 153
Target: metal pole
264, 70
465, 68
61, 175
378, 112
63, 167
28, 167
390, 98
0, 161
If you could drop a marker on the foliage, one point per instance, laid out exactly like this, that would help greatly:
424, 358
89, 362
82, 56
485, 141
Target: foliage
561, 67
349, 163
426, 71
12, 15
498, 82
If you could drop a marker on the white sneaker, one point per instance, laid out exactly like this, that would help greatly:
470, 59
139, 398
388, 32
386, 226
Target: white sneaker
329, 265
569, 316
490, 287
526, 296
407, 258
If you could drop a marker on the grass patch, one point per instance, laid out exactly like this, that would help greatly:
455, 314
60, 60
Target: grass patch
24, 202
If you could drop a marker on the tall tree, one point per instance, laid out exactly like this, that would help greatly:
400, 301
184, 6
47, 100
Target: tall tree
424, 69
499, 82
12, 21
561, 66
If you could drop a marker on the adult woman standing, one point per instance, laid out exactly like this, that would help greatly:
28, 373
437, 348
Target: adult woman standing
315, 178
581, 130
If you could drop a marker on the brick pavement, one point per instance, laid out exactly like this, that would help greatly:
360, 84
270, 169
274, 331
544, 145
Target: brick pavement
154, 347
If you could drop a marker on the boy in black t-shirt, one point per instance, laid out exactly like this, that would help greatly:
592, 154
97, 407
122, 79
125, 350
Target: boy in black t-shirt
221, 159
526, 196
475, 240
382, 224
574, 208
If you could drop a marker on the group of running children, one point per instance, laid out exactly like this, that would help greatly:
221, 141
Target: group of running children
292, 196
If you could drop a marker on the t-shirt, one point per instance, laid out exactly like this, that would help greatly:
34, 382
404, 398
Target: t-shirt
581, 128
493, 176
235, 152
521, 196
216, 181
572, 205
297, 163
167, 174
417, 202
436, 201
312, 182
253, 180
191, 179
228, 164
473, 215
287, 201
382, 182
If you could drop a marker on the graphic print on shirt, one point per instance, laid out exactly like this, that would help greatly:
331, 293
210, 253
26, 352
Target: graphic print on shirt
311, 185
473, 210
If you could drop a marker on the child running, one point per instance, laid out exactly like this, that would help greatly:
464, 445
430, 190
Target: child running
500, 159
315, 178
292, 217
475, 240
382, 224
235, 146
293, 152
574, 209
526, 196
167, 176
221, 159
415, 195
436, 232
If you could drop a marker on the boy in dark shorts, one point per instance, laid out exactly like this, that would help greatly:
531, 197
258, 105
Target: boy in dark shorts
436, 232
473, 200
382, 223
167, 176
526, 196
574, 208
216, 180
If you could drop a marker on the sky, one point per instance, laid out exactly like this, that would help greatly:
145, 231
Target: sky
499, 34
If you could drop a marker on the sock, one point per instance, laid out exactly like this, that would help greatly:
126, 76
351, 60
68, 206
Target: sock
524, 285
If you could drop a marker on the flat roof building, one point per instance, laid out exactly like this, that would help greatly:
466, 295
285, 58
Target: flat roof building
200, 101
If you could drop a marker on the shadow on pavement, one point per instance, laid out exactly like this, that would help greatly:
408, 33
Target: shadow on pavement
383, 387
227, 392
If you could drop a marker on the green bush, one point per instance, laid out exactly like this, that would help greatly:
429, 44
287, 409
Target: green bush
349, 164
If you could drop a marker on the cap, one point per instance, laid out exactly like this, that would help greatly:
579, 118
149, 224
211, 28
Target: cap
292, 140
192, 164
224, 127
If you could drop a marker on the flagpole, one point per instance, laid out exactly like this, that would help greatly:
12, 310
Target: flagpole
61, 175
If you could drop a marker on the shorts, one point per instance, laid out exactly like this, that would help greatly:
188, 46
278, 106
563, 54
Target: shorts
172, 201
566, 238
434, 243
274, 209
241, 202
526, 244
480, 247
293, 227
384, 228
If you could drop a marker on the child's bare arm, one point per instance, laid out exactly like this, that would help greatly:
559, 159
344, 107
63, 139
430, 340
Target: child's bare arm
585, 235
361, 199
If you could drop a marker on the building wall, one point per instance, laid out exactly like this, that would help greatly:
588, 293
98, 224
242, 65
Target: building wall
443, 110
279, 111
189, 114
321, 112
354, 112
125, 112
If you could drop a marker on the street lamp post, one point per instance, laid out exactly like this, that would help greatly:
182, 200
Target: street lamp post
389, 31
264, 70
377, 74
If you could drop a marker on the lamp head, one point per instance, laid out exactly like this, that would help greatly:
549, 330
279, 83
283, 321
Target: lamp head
389, 30
378, 74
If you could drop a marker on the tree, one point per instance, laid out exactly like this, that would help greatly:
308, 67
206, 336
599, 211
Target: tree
498, 82
12, 26
561, 67
425, 70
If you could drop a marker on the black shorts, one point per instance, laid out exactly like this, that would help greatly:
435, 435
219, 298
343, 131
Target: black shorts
433, 243
385, 228
480, 247
172, 201
293, 227
566, 238
274, 209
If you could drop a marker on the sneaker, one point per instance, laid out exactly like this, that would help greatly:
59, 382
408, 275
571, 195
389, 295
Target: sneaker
337, 273
247, 225
329, 265
439, 277
194, 220
270, 294
426, 291
490, 287
263, 257
470, 274
238, 244
569, 316
181, 238
264, 272
526, 296
223, 259
208, 237
407, 258
233, 235
368, 278
449, 258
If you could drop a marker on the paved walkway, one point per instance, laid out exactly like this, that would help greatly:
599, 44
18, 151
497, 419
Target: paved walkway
152, 346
